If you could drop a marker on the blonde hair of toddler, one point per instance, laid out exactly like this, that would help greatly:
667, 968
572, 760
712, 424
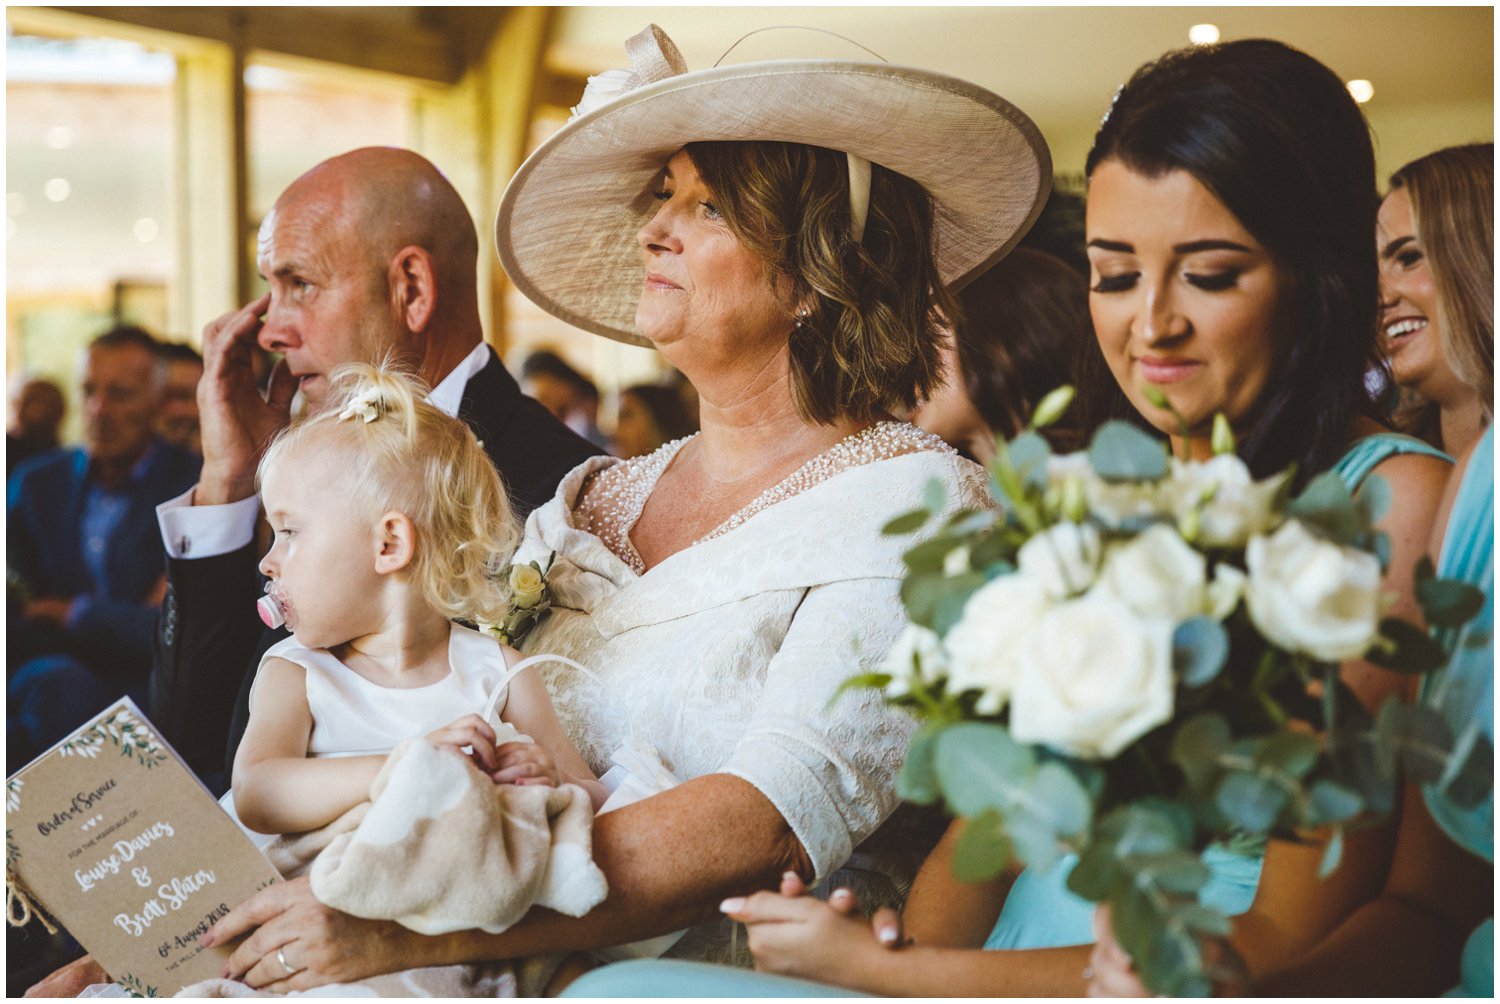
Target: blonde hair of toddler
399, 452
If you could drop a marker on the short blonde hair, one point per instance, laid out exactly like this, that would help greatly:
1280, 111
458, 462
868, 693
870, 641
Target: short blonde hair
416, 460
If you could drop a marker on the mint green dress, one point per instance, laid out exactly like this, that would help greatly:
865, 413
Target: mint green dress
1465, 691
1039, 911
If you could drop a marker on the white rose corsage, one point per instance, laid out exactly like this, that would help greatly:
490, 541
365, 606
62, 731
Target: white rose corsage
530, 601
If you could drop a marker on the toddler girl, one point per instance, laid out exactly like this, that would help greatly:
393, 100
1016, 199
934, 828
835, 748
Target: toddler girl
390, 525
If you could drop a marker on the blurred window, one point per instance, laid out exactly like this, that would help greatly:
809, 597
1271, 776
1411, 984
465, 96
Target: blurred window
298, 116
89, 228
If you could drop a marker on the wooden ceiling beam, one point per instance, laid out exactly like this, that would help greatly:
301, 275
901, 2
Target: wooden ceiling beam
434, 44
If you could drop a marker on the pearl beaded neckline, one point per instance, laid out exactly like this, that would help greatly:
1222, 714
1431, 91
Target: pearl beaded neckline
615, 497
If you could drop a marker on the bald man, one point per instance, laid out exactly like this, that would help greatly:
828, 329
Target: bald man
370, 254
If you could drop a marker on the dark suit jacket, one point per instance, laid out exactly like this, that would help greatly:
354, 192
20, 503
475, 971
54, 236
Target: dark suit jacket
209, 638
44, 511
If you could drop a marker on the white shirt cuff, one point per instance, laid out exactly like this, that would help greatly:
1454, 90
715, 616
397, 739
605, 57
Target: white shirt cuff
203, 531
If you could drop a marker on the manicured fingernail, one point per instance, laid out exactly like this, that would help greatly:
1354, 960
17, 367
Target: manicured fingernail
887, 935
732, 905
790, 875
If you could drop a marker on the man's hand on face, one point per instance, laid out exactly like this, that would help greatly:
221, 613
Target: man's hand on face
237, 422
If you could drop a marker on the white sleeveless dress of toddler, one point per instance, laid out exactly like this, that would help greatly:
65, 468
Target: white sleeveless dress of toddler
354, 717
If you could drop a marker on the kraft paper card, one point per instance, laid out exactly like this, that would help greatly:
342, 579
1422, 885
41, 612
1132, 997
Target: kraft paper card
113, 836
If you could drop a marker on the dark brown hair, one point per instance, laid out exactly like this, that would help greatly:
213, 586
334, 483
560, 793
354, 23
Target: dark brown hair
1275, 136
870, 344
1024, 322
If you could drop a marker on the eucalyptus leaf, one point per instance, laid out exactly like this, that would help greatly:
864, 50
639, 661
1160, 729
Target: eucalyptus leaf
906, 523
1327, 507
928, 556
983, 850
1029, 453
1200, 648
1251, 801
1094, 875
1148, 826
1034, 837
1415, 651
1204, 919
1332, 854
1448, 602
1331, 802
969, 521
1295, 753
935, 495
979, 766
1470, 777
1122, 452
935, 600
917, 783
1062, 798
1197, 746
1180, 871
1423, 741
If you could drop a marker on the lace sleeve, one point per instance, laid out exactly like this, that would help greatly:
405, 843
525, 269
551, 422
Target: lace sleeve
829, 770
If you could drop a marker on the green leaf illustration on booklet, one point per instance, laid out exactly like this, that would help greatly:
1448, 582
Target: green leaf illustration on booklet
1135, 657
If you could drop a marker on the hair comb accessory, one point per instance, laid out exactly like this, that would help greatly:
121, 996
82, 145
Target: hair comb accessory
367, 405
1112, 102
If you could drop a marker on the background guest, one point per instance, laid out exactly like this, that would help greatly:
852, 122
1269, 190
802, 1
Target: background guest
1435, 234
650, 416
1021, 326
36, 411
177, 418
568, 394
81, 539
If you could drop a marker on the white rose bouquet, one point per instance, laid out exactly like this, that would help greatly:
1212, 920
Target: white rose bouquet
1136, 656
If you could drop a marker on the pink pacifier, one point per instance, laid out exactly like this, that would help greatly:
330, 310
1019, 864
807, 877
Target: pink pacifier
272, 606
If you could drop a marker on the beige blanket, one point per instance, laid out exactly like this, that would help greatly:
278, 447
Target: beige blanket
440, 847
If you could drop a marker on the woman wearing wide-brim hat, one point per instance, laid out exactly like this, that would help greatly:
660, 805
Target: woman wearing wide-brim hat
786, 234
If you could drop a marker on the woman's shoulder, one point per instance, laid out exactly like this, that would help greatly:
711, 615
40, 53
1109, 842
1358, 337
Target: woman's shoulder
1402, 459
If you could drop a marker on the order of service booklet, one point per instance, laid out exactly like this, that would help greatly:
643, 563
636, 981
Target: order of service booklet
112, 835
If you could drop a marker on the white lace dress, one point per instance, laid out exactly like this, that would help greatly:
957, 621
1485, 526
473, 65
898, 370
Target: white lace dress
725, 655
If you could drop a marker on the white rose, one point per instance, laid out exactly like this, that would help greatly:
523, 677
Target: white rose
982, 647
1225, 591
1112, 503
1062, 560
1096, 677
1310, 595
916, 656
1157, 574
1231, 506
526, 585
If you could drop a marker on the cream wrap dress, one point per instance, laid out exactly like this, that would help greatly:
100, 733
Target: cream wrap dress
724, 656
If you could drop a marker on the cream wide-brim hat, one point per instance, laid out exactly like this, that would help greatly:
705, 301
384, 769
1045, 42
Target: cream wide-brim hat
567, 225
